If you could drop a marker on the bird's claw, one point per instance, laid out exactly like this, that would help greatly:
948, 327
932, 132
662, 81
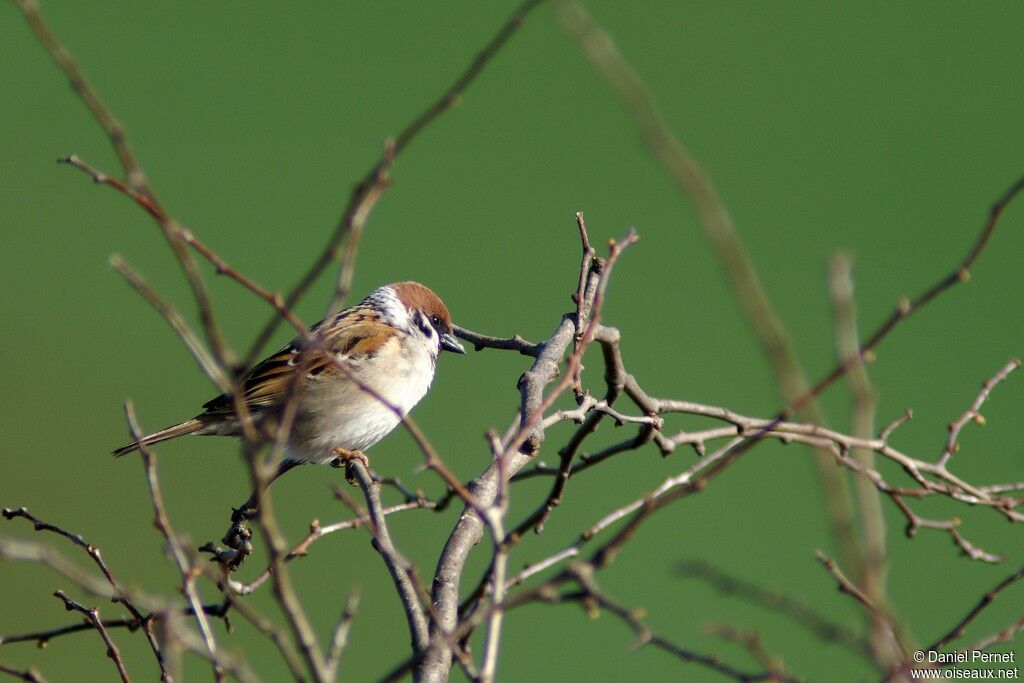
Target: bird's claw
346, 457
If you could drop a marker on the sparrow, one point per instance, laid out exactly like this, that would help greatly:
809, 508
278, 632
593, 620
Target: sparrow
349, 380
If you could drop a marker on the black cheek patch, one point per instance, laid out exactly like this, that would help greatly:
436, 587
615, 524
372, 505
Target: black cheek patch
425, 327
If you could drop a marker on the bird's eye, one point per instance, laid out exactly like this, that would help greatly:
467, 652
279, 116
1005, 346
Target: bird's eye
435, 320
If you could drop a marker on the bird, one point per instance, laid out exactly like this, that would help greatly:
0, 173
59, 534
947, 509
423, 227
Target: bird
346, 383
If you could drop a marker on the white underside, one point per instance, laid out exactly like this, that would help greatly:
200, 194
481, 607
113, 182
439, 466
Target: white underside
337, 413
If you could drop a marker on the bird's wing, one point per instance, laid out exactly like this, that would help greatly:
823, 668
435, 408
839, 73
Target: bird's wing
269, 383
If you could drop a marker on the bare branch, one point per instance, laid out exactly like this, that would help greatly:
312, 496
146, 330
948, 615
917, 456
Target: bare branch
646, 637
174, 546
907, 307
316, 532
973, 413
93, 616
134, 177
42, 638
845, 586
751, 642
1004, 636
402, 572
207, 363
222, 267
368, 191
895, 424
544, 564
483, 341
591, 598
26, 551
340, 637
31, 675
717, 225
990, 596
119, 595
792, 608
872, 540
438, 629
519, 447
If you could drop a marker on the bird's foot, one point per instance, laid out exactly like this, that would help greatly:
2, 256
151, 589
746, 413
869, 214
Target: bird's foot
346, 457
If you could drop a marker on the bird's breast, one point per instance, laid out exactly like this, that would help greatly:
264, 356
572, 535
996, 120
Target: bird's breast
338, 412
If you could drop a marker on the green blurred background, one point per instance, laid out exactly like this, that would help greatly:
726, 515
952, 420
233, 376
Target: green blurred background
878, 128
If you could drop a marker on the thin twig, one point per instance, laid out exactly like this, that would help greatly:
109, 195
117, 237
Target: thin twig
847, 587
1004, 636
402, 573
174, 546
20, 550
316, 532
222, 267
207, 363
31, 675
274, 634
119, 595
546, 563
92, 614
874, 568
717, 227
368, 191
646, 637
134, 177
973, 414
815, 623
752, 643
987, 599
339, 639
499, 587
483, 341
517, 450
283, 589
907, 307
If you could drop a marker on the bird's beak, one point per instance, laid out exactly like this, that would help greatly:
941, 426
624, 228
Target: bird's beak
450, 343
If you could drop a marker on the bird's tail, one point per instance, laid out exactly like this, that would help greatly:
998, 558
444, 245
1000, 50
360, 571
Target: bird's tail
186, 427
